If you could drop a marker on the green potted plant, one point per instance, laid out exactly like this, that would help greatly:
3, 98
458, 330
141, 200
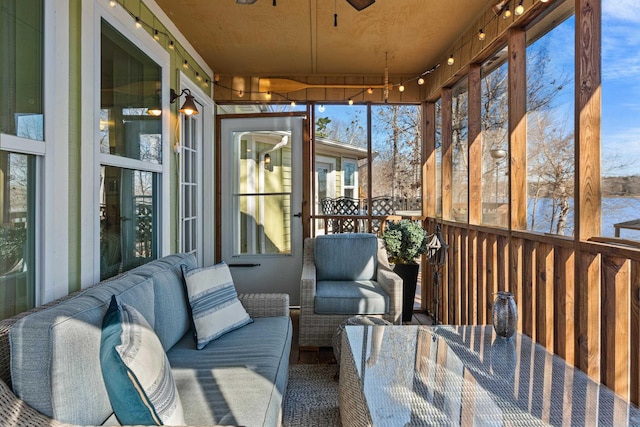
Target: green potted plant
405, 241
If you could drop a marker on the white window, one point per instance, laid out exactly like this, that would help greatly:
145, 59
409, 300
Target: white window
350, 178
128, 219
33, 153
196, 144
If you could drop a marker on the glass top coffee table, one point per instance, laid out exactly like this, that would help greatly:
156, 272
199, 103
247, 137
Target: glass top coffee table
465, 375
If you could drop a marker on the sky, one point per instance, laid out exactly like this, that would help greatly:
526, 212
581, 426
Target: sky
620, 148
621, 84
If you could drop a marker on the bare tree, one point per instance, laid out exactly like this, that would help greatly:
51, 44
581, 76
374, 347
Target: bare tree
397, 144
550, 163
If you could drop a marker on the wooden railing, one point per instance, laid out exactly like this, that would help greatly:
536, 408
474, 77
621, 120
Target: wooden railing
359, 223
581, 300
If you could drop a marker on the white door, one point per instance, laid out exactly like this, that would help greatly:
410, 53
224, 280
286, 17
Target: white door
261, 203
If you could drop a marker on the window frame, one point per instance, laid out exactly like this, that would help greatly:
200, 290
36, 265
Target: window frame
52, 160
343, 162
204, 176
119, 19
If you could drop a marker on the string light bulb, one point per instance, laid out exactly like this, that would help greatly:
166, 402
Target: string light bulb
206, 83
185, 65
156, 35
321, 108
138, 23
171, 45
401, 87
268, 96
198, 77
507, 12
370, 90
113, 3
420, 81
350, 101
240, 94
451, 61
481, 35
519, 10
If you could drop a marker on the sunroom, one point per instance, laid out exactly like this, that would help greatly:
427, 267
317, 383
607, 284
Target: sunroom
135, 129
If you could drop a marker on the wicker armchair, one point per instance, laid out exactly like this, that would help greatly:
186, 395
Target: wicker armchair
317, 329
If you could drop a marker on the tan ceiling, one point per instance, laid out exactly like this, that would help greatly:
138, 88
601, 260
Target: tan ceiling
298, 38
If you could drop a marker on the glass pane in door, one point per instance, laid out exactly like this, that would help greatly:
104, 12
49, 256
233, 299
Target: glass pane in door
262, 193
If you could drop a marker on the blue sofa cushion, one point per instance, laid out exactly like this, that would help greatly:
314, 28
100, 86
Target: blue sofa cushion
350, 297
238, 379
349, 256
170, 300
55, 352
136, 371
215, 307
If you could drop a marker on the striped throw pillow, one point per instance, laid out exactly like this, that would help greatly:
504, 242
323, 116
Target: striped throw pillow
215, 307
136, 370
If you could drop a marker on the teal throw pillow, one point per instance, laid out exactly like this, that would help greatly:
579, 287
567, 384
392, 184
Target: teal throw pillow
136, 371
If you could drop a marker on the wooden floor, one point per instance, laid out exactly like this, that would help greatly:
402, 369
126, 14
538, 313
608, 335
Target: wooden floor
324, 355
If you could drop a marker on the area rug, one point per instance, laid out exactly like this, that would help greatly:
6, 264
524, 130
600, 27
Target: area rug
312, 397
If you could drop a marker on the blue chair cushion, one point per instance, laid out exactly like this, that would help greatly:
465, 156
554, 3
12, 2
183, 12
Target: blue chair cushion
349, 256
350, 297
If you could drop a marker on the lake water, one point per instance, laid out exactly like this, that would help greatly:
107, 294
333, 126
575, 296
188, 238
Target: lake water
614, 210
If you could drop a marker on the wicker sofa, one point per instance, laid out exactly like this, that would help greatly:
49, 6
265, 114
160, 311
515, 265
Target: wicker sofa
50, 366
345, 275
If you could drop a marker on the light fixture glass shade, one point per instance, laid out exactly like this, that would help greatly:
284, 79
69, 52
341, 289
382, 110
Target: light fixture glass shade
267, 159
154, 111
189, 106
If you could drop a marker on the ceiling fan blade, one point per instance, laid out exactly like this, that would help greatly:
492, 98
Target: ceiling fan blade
361, 4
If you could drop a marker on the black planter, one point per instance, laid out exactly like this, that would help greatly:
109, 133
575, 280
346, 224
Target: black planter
409, 275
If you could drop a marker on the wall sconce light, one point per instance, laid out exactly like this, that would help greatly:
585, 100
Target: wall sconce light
267, 162
189, 106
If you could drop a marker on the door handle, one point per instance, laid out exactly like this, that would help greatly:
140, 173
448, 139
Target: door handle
298, 215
